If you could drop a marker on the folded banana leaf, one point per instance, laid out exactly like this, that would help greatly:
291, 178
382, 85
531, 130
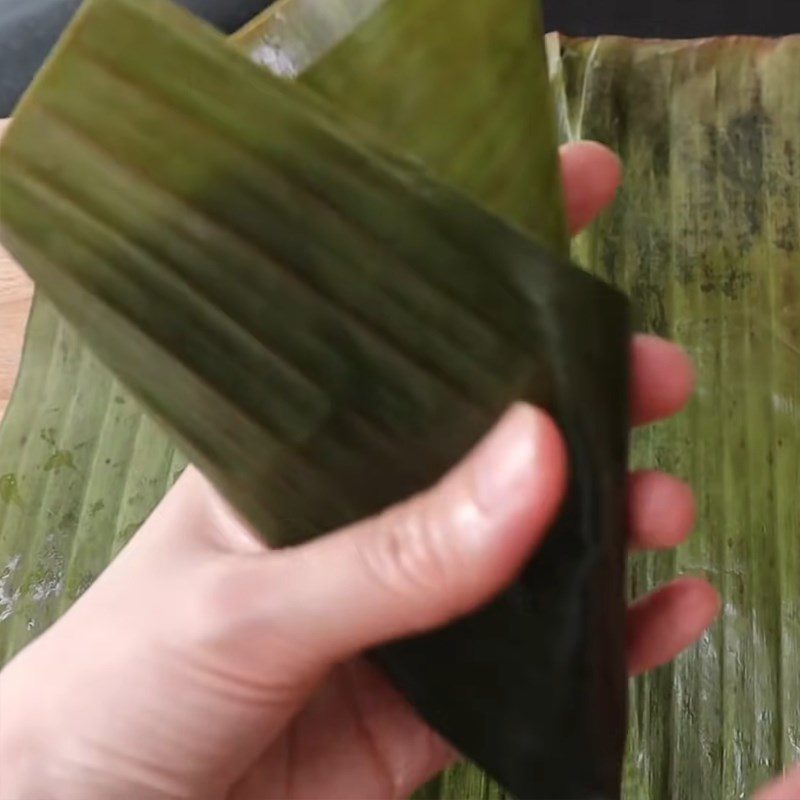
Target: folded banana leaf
325, 330
80, 465
469, 100
705, 236
120, 462
108, 465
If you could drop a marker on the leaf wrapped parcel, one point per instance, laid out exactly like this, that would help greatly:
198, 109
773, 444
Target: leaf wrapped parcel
325, 330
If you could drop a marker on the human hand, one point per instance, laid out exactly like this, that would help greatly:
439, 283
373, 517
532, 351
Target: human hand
785, 788
202, 665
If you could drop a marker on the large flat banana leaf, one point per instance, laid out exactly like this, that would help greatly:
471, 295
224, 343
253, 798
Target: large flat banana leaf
80, 465
706, 237
325, 330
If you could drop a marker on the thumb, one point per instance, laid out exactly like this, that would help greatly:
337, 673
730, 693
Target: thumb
435, 557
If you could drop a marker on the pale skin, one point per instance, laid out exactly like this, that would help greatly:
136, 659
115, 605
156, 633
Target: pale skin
202, 665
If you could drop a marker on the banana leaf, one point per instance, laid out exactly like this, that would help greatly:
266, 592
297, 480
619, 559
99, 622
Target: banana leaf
81, 466
469, 101
705, 236
325, 330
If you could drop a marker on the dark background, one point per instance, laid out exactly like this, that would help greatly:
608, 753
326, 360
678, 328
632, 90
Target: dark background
28, 28
673, 19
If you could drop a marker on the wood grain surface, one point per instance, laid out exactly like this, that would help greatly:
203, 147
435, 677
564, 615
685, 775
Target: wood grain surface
16, 291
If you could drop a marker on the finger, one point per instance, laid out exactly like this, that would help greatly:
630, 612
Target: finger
591, 175
666, 622
661, 510
662, 379
437, 556
786, 788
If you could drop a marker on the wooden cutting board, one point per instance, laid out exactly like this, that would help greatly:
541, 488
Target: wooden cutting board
16, 291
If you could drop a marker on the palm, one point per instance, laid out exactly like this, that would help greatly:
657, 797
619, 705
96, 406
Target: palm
356, 737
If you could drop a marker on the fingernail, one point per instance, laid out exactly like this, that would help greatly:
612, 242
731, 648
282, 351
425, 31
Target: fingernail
505, 461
